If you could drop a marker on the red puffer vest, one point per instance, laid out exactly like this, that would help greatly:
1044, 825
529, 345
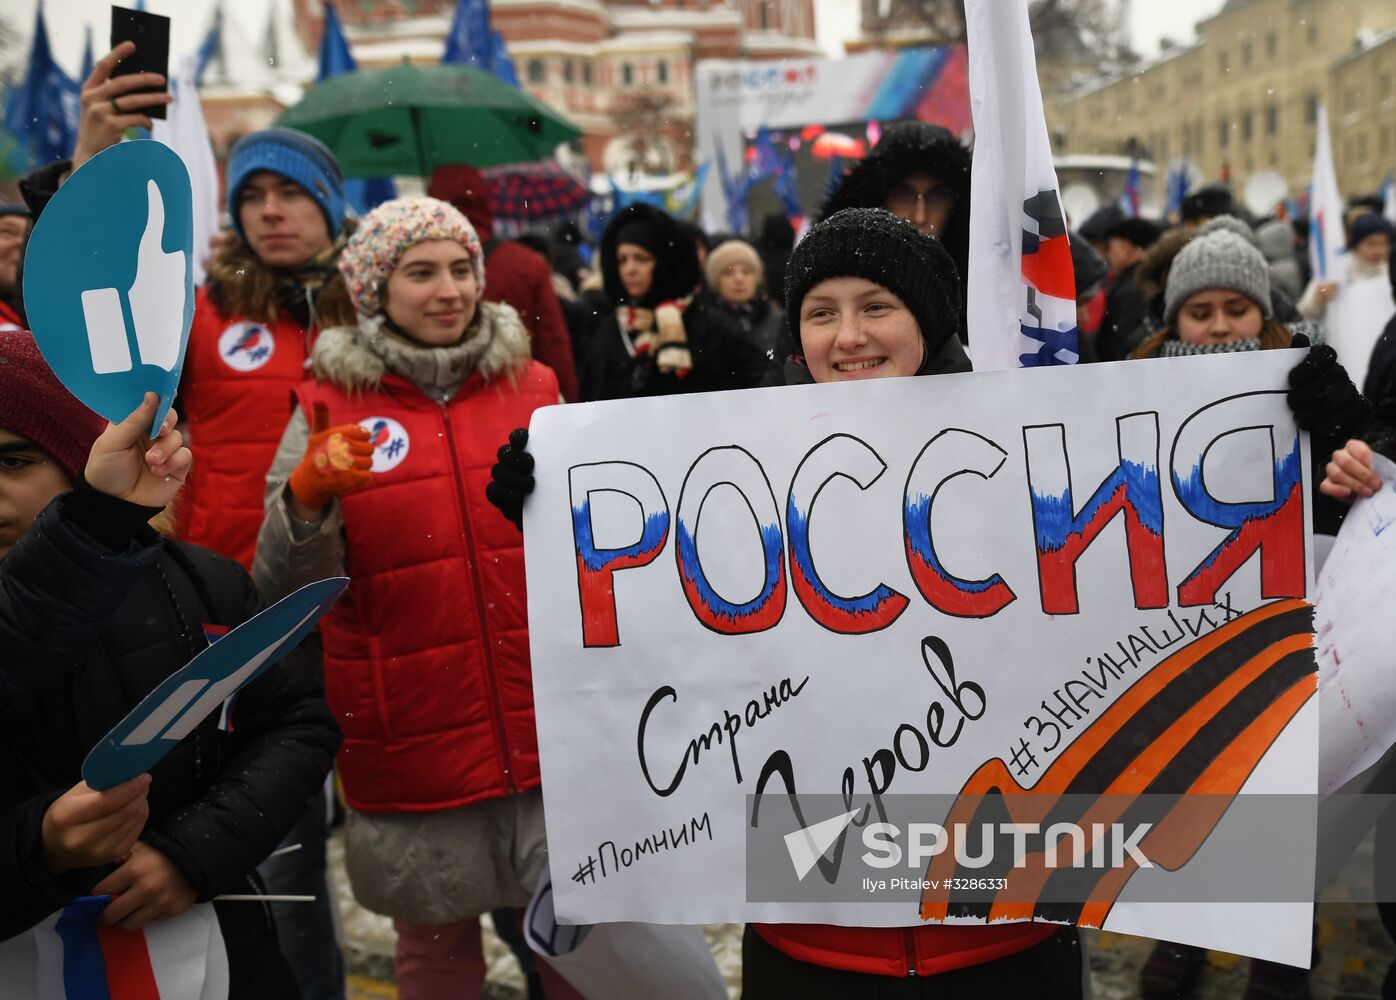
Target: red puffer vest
902, 951
239, 377
426, 654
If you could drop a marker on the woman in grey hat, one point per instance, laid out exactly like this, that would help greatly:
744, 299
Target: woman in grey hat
1217, 301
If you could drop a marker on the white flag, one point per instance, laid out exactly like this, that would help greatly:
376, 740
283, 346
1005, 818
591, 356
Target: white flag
1022, 289
1327, 238
185, 132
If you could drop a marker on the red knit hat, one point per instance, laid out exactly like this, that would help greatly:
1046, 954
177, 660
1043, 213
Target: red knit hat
466, 188
34, 405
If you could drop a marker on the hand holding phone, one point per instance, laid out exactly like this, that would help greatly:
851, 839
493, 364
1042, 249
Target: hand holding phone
112, 104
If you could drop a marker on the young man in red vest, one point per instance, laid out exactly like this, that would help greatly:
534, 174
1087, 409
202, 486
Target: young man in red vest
271, 286
254, 323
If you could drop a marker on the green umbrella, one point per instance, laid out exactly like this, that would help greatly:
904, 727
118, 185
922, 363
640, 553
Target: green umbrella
408, 120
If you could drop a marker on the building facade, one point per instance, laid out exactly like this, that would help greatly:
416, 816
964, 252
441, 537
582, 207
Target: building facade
1363, 115
622, 70
1244, 99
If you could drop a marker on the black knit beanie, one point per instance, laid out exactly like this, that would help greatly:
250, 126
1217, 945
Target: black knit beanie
873, 243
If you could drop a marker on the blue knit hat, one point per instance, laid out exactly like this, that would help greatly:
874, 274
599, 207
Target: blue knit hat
296, 156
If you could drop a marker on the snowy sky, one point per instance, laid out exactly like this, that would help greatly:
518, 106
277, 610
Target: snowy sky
837, 20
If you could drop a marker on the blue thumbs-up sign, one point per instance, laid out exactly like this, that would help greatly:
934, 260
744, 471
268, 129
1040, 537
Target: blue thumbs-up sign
109, 278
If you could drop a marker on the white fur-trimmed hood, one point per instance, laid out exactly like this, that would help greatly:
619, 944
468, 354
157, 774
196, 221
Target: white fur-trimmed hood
356, 358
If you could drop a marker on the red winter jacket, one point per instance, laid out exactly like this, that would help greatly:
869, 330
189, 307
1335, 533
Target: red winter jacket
522, 278
236, 390
927, 950
426, 654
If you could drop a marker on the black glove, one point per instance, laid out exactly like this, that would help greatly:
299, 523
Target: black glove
1322, 397
511, 479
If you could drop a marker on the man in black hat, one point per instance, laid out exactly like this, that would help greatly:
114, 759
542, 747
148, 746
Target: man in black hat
1122, 327
1207, 203
919, 172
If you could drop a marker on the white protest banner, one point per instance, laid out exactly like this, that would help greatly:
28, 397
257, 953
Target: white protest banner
1355, 319
1356, 636
1075, 580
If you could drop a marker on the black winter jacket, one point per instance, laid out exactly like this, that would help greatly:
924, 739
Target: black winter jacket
95, 611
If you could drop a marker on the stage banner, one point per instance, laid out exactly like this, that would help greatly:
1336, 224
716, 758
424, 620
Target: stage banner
876, 652
736, 98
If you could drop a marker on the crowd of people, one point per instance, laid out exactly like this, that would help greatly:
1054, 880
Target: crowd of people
115, 550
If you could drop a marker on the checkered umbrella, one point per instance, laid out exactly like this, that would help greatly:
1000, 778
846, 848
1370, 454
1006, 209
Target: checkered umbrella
534, 190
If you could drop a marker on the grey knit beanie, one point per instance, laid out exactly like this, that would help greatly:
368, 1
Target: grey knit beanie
1230, 224
1218, 259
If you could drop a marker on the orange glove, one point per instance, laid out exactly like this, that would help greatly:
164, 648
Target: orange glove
337, 460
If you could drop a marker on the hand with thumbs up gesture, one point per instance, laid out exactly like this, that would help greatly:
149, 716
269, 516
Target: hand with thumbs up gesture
125, 463
337, 460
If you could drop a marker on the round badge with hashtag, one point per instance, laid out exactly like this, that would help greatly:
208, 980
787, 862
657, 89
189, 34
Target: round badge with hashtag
389, 440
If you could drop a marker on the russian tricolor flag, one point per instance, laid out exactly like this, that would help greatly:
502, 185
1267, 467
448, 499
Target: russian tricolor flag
71, 957
1022, 286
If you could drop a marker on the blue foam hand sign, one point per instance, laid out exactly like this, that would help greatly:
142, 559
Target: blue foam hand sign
188, 696
109, 278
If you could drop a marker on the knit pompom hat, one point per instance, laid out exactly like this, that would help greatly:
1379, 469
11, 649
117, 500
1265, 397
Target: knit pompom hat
388, 232
34, 405
873, 243
1218, 259
732, 252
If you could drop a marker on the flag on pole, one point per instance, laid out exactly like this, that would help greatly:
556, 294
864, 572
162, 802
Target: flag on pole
363, 193
468, 42
1129, 197
1022, 288
472, 42
1176, 188
41, 115
185, 131
1327, 238
501, 63
208, 48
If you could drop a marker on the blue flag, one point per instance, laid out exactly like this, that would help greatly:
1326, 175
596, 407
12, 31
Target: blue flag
42, 114
501, 63
469, 42
335, 57
364, 193
1129, 197
208, 48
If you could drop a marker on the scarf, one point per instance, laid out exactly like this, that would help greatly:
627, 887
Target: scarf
297, 287
658, 332
1182, 349
438, 372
